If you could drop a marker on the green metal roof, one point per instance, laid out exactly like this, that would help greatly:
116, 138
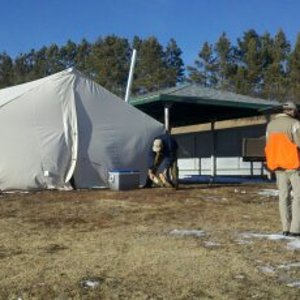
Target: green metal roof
193, 104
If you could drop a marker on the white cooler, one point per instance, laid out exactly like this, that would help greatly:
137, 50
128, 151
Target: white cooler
120, 180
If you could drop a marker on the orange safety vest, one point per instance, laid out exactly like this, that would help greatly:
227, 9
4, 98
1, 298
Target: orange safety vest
281, 152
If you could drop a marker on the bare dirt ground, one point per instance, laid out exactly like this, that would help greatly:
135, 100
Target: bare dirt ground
191, 243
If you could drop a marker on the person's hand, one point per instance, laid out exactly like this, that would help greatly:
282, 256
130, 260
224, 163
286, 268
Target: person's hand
151, 174
164, 180
153, 177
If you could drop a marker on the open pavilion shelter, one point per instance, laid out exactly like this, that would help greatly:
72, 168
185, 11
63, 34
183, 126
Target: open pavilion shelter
192, 104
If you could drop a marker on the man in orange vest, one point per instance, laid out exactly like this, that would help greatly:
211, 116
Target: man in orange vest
283, 158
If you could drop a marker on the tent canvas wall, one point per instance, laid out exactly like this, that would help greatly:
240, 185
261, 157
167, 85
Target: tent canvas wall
66, 125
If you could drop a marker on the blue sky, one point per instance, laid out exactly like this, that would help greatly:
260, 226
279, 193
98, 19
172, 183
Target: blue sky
27, 24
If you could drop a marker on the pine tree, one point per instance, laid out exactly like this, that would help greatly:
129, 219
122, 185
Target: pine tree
151, 72
275, 56
82, 55
21, 69
249, 71
68, 54
242, 85
174, 63
137, 43
294, 71
226, 67
108, 63
6, 70
40, 68
54, 62
205, 70
269, 66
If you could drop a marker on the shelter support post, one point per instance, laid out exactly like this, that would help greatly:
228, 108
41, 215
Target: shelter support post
268, 118
261, 169
213, 150
167, 108
251, 168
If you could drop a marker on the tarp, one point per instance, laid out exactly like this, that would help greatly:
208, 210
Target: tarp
66, 125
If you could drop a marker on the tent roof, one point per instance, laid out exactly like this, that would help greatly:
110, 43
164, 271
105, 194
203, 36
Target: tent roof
67, 126
193, 104
14, 92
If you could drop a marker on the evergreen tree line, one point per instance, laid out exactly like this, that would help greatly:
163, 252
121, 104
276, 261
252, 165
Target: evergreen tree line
257, 65
107, 61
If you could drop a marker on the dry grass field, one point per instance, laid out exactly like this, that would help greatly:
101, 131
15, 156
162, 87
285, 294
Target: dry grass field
189, 243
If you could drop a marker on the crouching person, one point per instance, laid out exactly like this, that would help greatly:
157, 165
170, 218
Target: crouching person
162, 162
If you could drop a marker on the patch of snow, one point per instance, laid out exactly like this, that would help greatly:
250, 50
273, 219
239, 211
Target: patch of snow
266, 269
243, 242
211, 244
294, 244
267, 236
239, 191
246, 217
15, 192
268, 192
91, 282
288, 266
295, 284
215, 199
186, 232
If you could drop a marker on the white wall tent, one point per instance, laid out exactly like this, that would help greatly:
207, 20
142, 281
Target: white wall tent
67, 125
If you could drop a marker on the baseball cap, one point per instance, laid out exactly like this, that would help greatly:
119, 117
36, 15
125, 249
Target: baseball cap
289, 105
157, 145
